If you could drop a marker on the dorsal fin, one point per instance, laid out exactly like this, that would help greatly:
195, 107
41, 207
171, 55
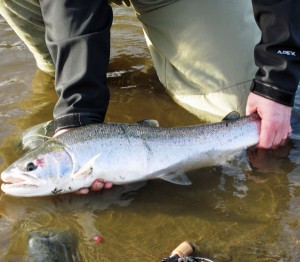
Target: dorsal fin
148, 122
233, 115
178, 178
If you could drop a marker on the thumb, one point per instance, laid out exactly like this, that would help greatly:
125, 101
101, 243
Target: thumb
127, 2
251, 104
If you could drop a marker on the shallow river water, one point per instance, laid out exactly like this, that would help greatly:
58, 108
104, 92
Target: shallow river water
228, 215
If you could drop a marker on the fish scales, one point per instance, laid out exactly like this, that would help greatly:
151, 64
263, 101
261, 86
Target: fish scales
125, 153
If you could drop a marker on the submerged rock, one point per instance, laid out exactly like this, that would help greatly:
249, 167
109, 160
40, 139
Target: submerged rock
52, 246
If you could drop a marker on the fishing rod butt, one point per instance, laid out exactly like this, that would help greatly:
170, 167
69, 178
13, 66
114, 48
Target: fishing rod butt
183, 250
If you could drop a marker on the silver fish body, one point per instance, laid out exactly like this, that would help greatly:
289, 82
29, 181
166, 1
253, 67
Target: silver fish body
125, 153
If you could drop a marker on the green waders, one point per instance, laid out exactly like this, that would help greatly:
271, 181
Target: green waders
203, 52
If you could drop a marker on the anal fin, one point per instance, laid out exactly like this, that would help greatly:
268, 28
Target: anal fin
178, 178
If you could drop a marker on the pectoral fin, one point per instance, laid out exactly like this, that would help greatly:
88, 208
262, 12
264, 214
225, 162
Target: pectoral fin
86, 170
149, 122
178, 178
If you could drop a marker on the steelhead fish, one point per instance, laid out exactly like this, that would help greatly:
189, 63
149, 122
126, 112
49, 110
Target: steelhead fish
126, 153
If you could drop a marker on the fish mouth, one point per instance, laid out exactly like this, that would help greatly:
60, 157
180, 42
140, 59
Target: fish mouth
18, 184
15, 184
16, 179
7, 186
20, 189
13, 180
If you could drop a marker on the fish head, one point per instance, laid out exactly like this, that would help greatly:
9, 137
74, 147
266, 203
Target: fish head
39, 171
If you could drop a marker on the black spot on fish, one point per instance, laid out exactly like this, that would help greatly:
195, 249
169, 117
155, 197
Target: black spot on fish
30, 185
90, 171
56, 191
123, 129
149, 150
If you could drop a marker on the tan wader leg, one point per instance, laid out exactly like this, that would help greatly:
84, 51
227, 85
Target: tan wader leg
26, 20
202, 51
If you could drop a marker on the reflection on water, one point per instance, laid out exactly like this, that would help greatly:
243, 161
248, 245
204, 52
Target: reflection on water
228, 214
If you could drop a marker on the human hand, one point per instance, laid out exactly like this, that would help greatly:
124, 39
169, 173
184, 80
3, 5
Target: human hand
270, 160
275, 120
97, 185
61, 131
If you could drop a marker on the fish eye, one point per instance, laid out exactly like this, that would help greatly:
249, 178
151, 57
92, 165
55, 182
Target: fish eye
31, 166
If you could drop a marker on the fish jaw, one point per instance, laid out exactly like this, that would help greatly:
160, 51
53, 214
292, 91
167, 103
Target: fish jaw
20, 189
29, 190
21, 184
39, 171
